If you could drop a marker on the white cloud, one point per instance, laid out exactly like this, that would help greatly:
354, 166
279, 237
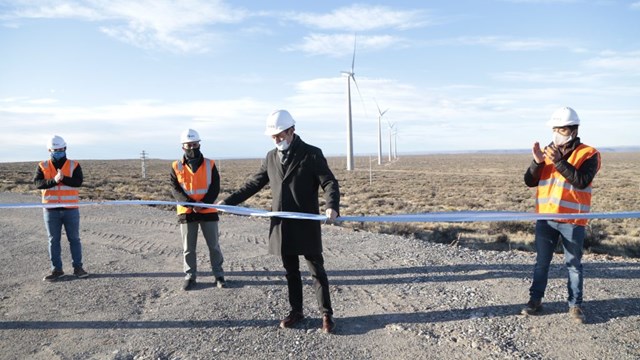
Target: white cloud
179, 26
338, 45
359, 17
617, 62
635, 5
510, 44
54, 10
543, 1
542, 76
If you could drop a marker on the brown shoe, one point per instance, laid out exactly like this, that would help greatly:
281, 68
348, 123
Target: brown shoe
328, 324
293, 318
577, 314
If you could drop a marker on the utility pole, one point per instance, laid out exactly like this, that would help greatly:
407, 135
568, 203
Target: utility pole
144, 156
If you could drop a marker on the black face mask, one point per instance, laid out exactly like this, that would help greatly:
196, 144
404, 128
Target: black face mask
192, 153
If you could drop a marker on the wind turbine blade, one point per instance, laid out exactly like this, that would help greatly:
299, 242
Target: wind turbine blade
353, 61
361, 99
378, 106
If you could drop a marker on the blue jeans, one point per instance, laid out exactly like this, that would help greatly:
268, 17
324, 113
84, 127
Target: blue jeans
54, 219
547, 235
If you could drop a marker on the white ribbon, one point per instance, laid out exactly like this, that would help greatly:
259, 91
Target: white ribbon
452, 216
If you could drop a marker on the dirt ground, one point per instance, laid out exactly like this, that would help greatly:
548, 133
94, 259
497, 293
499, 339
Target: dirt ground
393, 297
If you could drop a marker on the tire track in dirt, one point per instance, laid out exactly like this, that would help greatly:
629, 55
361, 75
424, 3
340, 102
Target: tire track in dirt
133, 236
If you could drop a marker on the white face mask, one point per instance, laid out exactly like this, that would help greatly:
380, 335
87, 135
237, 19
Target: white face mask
560, 140
282, 145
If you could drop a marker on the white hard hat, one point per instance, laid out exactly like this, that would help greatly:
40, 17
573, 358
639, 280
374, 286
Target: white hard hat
56, 142
189, 135
565, 116
278, 121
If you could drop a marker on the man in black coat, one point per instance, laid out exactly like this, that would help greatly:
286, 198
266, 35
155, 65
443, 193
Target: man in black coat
295, 170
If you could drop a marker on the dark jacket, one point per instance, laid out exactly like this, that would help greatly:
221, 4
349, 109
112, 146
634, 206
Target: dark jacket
75, 180
294, 187
580, 178
209, 198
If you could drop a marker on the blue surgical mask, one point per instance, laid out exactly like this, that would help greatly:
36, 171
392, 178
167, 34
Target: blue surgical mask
57, 155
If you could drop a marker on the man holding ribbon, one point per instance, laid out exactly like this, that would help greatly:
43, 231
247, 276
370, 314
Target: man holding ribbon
295, 170
59, 179
195, 180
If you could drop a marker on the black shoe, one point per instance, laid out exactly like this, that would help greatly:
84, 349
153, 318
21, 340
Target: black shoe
55, 275
293, 318
220, 283
80, 273
533, 307
189, 284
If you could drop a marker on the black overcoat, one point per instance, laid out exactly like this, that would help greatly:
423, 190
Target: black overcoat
294, 187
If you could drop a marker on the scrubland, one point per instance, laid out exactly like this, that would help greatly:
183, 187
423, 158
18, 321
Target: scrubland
410, 184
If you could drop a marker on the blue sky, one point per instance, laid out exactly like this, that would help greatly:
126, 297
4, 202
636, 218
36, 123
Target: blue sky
118, 77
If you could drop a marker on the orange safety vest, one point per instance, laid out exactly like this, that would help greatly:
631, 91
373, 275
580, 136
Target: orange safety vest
556, 196
195, 185
61, 193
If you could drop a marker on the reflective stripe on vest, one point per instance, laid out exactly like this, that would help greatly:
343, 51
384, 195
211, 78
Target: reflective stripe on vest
556, 195
60, 193
195, 185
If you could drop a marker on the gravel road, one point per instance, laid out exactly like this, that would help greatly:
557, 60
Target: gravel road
394, 297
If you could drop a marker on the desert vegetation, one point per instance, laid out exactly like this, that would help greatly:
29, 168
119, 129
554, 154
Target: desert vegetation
411, 184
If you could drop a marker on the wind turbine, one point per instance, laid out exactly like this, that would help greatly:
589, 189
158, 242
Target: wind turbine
390, 139
395, 144
380, 114
350, 75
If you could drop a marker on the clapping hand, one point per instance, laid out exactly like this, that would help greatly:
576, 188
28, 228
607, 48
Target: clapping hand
59, 176
552, 153
538, 154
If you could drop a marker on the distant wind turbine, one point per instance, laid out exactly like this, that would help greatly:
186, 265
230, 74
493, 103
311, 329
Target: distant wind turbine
395, 144
350, 76
390, 140
380, 114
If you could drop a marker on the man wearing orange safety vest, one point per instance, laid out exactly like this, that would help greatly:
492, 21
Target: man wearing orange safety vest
562, 172
195, 180
59, 179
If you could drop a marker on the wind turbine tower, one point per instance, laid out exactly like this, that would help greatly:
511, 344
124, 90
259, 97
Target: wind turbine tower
380, 114
390, 140
395, 144
350, 75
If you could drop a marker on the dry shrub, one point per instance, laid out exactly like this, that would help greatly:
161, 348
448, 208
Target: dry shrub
412, 184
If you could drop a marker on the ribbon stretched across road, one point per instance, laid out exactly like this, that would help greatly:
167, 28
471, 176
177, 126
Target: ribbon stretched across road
452, 216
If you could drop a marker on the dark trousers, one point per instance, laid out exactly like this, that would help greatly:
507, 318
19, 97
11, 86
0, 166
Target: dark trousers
315, 263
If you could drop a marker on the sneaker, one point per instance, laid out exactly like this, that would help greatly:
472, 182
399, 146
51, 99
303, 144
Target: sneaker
55, 275
80, 273
220, 283
577, 314
189, 284
533, 307
293, 318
